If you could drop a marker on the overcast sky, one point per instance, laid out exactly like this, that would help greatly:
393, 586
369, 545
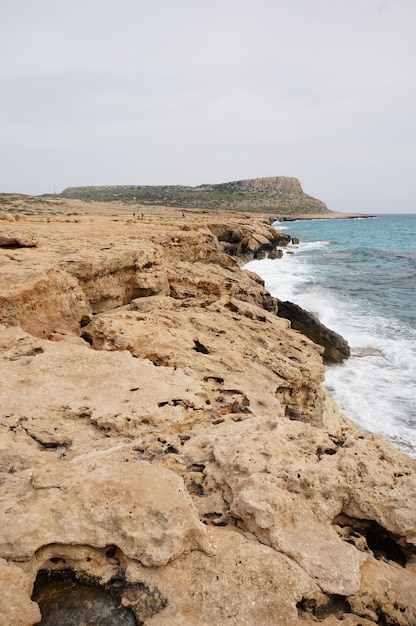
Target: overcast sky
102, 92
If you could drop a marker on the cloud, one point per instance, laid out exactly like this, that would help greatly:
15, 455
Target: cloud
127, 92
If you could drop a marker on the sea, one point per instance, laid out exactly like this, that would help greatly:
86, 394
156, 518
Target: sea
359, 277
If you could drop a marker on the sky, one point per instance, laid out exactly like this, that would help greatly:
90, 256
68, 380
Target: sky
186, 92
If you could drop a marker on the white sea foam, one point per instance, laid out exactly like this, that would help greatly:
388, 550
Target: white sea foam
362, 388
305, 245
375, 387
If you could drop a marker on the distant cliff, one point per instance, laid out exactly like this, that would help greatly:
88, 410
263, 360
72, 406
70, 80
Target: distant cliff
278, 193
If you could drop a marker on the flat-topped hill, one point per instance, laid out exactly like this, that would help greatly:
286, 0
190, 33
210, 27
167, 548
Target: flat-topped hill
278, 193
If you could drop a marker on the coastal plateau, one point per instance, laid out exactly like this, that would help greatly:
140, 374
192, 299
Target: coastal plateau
168, 453
275, 193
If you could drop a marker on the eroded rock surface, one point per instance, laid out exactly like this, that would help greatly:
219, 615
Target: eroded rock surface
17, 239
165, 439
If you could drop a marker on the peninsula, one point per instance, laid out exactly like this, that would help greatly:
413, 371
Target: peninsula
283, 194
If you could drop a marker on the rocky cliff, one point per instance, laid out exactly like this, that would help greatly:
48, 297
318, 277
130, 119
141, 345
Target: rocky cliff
280, 193
168, 455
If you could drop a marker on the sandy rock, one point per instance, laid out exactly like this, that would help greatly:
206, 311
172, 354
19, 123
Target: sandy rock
112, 279
333, 418
283, 482
296, 454
101, 392
176, 446
386, 494
10, 336
241, 582
240, 332
142, 509
42, 301
248, 240
16, 606
341, 618
18, 238
285, 522
7, 217
20, 217
208, 284
386, 593
189, 244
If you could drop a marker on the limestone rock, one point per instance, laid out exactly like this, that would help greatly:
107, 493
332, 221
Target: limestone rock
387, 593
248, 241
7, 217
177, 336
241, 582
176, 446
18, 238
111, 279
208, 284
386, 495
16, 605
43, 300
66, 384
285, 522
139, 507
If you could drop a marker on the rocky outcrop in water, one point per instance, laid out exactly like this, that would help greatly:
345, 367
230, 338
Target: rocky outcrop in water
166, 444
336, 349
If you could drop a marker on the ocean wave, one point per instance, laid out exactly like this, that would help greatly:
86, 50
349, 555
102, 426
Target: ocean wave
360, 279
302, 246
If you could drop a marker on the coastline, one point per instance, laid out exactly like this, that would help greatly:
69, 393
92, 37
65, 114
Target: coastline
354, 274
330, 216
32, 207
173, 426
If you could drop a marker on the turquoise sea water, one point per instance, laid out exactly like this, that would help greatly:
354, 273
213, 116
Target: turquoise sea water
359, 276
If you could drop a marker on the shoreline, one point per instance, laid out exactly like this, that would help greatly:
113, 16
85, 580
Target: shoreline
319, 216
345, 288
163, 428
50, 206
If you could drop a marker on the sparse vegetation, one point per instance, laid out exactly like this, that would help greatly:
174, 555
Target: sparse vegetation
279, 193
